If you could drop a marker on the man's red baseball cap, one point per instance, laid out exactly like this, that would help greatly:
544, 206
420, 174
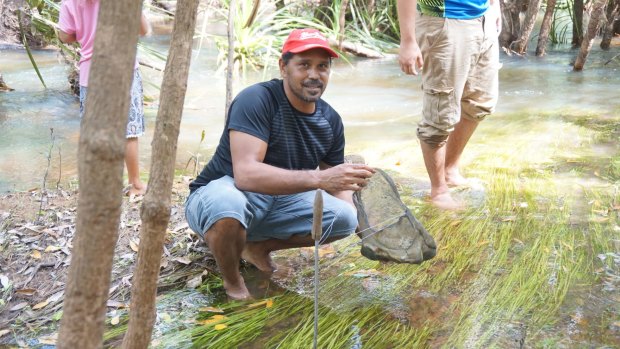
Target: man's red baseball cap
300, 40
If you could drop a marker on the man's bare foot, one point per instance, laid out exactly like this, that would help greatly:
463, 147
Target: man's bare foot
444, 201
258, 257
237, 290
455, 179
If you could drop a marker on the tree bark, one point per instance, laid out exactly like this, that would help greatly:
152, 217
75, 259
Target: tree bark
545, 28
511, 24
341, 22
100, 166
613, 9
155, 211
577, 22
520, 45
593, 27
232, 7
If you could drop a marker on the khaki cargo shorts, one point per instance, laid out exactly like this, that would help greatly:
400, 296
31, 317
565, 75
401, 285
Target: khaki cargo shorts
460, 73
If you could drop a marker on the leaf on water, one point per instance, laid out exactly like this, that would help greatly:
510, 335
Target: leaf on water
213, 319
183, 260
115, 320
211, 310
41, 305
52, 248
4, 281
133, 245
36, 254
26, 291
219, 327
19, 306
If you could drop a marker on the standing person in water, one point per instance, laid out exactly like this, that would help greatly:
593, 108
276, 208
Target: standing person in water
455, 45
280, 144
77, 22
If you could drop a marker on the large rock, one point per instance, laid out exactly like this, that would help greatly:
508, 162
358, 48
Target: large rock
389, 230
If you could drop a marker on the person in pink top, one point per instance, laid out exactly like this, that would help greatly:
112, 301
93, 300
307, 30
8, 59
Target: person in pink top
77, 22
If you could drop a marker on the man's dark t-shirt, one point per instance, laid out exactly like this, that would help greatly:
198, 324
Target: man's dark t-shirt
296, 141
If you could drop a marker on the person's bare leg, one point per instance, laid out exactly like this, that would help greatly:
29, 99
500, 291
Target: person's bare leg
226, 239
258, 253
434, 160
454, 149
132, 161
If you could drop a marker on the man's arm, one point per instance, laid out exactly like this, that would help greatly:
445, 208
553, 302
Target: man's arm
409, 57
251, 174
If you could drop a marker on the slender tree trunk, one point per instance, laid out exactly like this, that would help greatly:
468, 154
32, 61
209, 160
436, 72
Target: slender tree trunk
341, 22
545, 28
613, 9
100, 165
155, 211
511, 24
577, 22
232, 7
520, 46
593, 27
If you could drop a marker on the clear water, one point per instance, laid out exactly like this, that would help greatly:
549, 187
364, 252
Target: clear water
378, 103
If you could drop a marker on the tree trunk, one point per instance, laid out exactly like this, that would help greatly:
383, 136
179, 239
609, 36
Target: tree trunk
545, 28
520, 45
593, 26
341, 22
613, 9
155, 211
232, 7
511, 24
100, 166
577, 22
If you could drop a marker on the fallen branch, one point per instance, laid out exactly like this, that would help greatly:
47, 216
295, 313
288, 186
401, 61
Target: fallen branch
356, 49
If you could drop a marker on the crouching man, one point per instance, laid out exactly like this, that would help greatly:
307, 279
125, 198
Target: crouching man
280, 144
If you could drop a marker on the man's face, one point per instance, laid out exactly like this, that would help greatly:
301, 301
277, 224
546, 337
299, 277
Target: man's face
305, 77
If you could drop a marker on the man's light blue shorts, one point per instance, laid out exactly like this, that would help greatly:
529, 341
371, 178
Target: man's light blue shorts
266, 216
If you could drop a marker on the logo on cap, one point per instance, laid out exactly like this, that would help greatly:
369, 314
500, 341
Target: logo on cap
311, 35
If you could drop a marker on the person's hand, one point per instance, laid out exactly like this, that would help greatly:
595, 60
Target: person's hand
345, 177
410, 58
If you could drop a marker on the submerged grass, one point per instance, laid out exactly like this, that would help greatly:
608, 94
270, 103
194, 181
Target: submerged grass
505, 271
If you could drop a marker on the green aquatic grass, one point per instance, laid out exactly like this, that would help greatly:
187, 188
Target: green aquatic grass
511, 261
